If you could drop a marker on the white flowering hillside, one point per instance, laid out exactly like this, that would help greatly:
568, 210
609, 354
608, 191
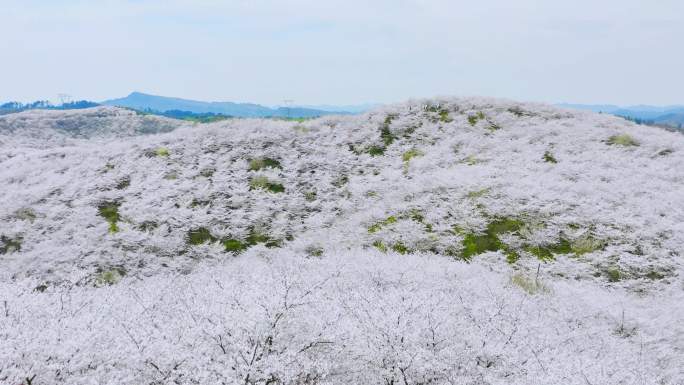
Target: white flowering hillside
457, 241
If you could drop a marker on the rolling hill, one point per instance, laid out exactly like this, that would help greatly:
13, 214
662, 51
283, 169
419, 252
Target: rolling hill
471, 240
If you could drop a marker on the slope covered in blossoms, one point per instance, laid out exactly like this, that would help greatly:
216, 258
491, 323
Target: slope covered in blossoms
436, 241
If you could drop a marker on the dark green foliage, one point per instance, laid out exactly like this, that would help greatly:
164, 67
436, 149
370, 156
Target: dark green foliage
261, 163
549, 158
385, 133
613, 275
234, 245
546, 252
400, 248
380, 246
10, 245
376, 151
199, 236
110, 212
474, 244
473, 119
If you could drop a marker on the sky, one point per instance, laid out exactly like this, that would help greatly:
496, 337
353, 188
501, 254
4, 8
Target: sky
344, 51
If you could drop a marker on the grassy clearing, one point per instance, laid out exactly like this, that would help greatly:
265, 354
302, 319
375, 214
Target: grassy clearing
622, 140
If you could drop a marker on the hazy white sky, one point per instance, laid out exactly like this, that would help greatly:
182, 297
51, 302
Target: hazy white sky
344, 51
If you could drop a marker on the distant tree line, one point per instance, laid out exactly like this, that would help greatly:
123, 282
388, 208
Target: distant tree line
11, 107
647, 122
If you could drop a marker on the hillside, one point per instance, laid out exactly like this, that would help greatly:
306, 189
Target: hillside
143, 102
475, 241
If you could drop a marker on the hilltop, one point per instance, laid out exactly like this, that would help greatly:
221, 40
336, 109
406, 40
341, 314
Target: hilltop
474, 240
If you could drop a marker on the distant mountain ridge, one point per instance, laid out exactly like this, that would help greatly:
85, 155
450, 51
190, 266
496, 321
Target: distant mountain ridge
671, 116
141, 101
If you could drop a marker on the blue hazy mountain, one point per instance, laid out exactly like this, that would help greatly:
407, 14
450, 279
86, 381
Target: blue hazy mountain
146, 102
671, 116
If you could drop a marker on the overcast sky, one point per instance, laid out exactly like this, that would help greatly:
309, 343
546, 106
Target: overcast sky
344, 51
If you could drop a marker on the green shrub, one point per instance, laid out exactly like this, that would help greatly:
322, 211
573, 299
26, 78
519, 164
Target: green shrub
162, 151
199, 236
444, 116
473, 119
261, 163
376, 151
385, 133
110, 277
263, 183
380, 246
549, 158
400, 248
613, 275
310, 196
10, 245
622, 140
110, 212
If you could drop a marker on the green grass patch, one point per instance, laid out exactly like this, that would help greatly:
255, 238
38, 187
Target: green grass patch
162, 151
400, 248
110, 212
10, 244
234, 245
474, 244
473, 119
261, 163
622, 140
263, 183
